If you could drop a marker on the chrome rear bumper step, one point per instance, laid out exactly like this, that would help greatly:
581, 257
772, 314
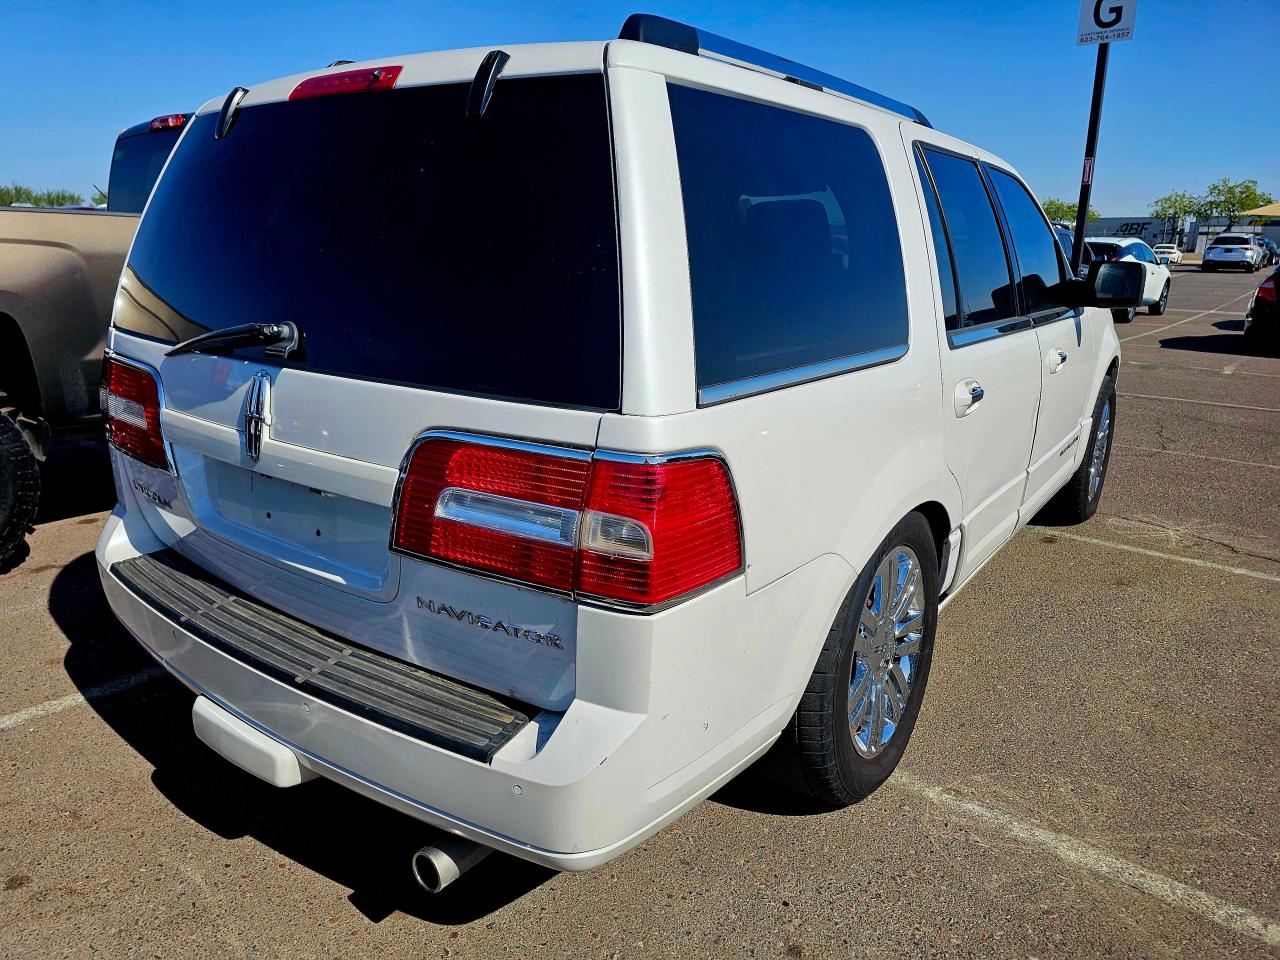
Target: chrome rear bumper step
381, 689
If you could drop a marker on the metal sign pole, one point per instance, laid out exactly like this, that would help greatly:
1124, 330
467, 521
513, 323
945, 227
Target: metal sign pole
1090, 151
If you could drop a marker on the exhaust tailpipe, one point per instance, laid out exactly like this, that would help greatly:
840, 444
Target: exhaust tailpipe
438, 864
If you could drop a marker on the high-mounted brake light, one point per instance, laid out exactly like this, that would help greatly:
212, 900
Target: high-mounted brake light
363, 80
169, 122
613, 527
131, 401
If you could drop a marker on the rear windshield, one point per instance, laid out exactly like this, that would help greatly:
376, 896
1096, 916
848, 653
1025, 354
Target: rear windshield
1107, 249
1230, 242
409, 243
136, 163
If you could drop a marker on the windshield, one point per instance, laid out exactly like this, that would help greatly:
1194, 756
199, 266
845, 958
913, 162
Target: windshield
409, 243
136, 163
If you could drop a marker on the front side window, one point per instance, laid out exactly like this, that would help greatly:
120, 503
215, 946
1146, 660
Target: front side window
794, 252
986, 285
1039, 264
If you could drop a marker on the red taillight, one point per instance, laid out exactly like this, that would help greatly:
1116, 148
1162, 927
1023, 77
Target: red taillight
505, 510
131, 401
169, 122
348, 81
684, 508
1267, 289
624, 529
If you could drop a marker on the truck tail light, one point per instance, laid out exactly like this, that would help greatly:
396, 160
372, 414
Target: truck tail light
634, 530
365, 80
167, 122
130, 400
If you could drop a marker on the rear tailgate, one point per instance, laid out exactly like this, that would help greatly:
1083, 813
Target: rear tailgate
431, 263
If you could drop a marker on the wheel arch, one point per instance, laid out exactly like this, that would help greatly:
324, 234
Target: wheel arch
18, 376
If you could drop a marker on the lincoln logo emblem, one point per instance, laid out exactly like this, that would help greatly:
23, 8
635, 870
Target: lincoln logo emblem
257, 413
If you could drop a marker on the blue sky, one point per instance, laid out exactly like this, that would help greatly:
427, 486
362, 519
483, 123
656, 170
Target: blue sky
1004, 75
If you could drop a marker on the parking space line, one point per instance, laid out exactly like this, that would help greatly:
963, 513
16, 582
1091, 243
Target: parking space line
1230, 370
1198, 456
1194, 316
1208, 564
1207, 403
11, 720
1077, 853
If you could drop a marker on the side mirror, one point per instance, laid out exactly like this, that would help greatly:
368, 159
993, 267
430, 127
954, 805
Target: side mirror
1117, 283
1113, 284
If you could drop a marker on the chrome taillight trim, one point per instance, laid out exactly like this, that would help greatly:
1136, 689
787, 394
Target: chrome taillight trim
460, 505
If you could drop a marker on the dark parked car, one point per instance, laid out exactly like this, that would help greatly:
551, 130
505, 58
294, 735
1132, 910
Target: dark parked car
1263, 319
1271, 252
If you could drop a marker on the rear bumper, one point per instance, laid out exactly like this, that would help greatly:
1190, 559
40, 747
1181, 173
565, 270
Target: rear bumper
610, 775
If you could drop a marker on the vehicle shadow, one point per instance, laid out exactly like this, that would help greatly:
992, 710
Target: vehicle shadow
1231, 342
762, 788
75, 479
341, 835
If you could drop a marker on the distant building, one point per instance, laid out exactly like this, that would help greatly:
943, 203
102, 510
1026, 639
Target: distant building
1191, 237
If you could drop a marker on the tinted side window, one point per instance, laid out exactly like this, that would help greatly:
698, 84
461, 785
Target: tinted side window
986, 287
1034, 244
941, 250
794, 253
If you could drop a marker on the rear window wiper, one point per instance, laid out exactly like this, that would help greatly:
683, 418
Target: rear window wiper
280, 339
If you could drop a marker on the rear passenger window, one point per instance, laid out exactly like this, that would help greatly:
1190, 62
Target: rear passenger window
941, 251
986, 287
1034, 244
794, 253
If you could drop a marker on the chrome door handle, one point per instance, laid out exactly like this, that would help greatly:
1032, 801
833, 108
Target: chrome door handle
966, 397
1057, 357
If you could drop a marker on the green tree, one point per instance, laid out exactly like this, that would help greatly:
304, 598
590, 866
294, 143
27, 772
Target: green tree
17, 193
1173, 208
1056, 209
1229, 198
99, 197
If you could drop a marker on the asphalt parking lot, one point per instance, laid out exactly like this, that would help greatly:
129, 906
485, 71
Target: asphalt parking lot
1094, 772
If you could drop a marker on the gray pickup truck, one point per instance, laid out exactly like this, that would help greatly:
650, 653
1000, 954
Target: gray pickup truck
58, 274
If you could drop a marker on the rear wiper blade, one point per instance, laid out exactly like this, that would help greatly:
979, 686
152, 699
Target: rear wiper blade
280, 339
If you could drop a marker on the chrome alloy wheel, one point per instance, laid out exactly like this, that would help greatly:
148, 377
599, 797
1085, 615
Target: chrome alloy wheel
886, 651
1099, 458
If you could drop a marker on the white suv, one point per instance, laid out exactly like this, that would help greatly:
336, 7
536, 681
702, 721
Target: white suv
531, 439
1232, 250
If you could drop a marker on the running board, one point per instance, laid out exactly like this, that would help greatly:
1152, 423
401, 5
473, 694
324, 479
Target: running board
378, 688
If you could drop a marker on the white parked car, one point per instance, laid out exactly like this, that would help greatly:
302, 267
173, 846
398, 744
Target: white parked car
1169, 251
1232, 250
609, 424
1155, 289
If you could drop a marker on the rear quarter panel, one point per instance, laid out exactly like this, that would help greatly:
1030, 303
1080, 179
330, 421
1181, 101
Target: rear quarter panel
58, 276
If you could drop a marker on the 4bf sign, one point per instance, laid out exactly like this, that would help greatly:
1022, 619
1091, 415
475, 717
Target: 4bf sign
1106, 21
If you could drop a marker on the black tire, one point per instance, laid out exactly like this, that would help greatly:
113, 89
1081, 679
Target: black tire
1157, 309
1206, 268
19, 490
1078, 501
1125, 315
1249, 268
817, 748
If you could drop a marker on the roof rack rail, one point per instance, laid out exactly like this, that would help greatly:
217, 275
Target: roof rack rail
650, 28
